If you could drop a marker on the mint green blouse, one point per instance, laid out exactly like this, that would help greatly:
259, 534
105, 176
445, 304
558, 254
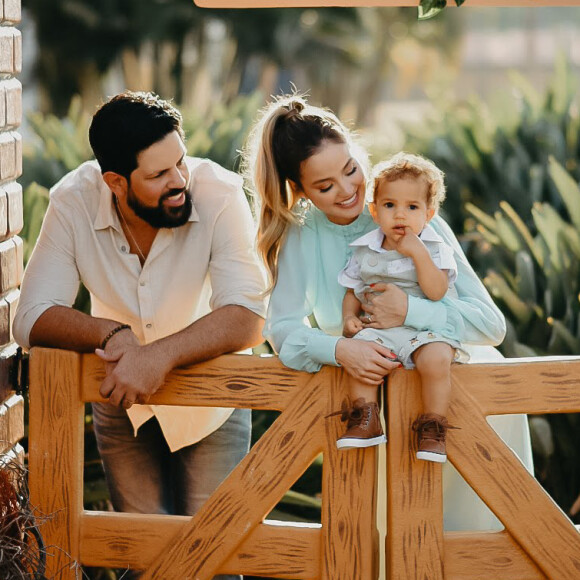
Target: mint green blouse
311, 257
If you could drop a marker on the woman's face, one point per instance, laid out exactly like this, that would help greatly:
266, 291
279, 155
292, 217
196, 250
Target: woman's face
334, 182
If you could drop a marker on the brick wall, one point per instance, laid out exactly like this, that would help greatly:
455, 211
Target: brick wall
11, 405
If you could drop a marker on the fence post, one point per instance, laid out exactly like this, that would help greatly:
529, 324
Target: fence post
56, 443
414, 544
349, 488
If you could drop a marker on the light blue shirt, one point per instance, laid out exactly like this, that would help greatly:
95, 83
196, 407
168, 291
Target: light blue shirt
313, 254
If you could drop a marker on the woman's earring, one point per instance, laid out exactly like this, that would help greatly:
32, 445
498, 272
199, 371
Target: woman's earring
302, 208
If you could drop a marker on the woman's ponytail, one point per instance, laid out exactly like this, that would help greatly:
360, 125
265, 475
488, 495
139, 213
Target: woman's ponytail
288, 132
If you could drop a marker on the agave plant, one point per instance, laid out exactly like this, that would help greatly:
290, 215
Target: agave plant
534, 275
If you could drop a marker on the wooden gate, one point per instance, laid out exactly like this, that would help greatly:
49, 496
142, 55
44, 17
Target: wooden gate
230, 535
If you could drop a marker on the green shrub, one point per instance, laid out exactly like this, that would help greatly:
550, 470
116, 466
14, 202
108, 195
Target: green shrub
535, 278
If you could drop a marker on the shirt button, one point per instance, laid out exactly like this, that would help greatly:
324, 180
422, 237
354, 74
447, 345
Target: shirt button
123, 248
148, 325
373, 261
141, 283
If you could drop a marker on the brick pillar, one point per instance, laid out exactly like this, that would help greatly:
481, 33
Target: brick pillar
11, 405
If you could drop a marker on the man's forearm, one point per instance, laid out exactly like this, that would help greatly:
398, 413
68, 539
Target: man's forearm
63, 327
228, 329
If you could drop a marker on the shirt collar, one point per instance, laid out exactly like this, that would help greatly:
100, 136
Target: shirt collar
374, 239
106, 214
430, 235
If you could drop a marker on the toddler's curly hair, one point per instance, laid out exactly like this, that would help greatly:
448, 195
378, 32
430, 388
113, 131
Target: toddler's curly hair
405, 165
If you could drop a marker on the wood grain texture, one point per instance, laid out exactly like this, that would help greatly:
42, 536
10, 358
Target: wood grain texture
415, 497
274, 549
350, 535
516, 498
525, 385
228, 536
487, 556
249, 382
250, 492
55, 455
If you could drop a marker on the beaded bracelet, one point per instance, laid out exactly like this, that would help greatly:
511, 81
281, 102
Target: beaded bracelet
112, 333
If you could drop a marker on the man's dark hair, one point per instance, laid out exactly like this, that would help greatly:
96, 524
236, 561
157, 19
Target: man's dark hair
128, 124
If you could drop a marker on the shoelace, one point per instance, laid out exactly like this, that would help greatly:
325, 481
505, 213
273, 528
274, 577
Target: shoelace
432, 429
353, 414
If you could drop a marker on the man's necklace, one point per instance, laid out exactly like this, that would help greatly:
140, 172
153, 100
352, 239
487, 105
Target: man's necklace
129, 230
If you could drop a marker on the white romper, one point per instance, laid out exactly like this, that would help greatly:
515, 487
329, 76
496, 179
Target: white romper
370, 264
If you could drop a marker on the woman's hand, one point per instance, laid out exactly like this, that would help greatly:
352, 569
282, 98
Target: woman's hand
385, 307
365, 361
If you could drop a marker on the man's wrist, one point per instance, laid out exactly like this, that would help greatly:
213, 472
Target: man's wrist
163, 354
112, 333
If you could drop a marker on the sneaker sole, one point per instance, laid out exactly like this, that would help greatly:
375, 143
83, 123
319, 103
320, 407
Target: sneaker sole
429, 456
360, 443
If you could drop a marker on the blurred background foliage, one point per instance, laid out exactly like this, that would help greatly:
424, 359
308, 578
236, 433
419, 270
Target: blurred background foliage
511, 157
201, 56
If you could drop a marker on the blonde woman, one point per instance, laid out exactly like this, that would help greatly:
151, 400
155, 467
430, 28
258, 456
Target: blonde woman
309, 179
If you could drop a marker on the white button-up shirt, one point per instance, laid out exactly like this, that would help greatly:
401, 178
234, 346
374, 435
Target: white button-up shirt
206, 264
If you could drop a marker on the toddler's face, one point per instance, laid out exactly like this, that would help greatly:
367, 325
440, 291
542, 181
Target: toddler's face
399, 204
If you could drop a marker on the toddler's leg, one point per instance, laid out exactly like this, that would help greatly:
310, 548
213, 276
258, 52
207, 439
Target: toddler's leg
361, 413
433, 361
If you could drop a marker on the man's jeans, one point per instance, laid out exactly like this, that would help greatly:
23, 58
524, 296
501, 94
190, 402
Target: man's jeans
143, 476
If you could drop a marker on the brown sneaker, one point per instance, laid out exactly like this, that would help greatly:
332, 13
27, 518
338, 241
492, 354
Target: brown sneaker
432, 430
363, 427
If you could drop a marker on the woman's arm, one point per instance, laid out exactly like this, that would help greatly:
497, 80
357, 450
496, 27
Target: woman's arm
300, 346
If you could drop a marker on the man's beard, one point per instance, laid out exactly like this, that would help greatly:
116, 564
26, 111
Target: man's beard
162, 216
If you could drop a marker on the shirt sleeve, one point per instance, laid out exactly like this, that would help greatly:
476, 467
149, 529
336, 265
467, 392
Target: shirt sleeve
287, 329
349, 276
235, 272
446, 261
472, 316
51, 277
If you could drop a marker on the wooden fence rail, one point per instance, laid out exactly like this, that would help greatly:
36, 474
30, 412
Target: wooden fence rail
230, 533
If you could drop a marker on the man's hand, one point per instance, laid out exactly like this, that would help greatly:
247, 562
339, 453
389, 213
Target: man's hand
134, 372
387, 304
351, 325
